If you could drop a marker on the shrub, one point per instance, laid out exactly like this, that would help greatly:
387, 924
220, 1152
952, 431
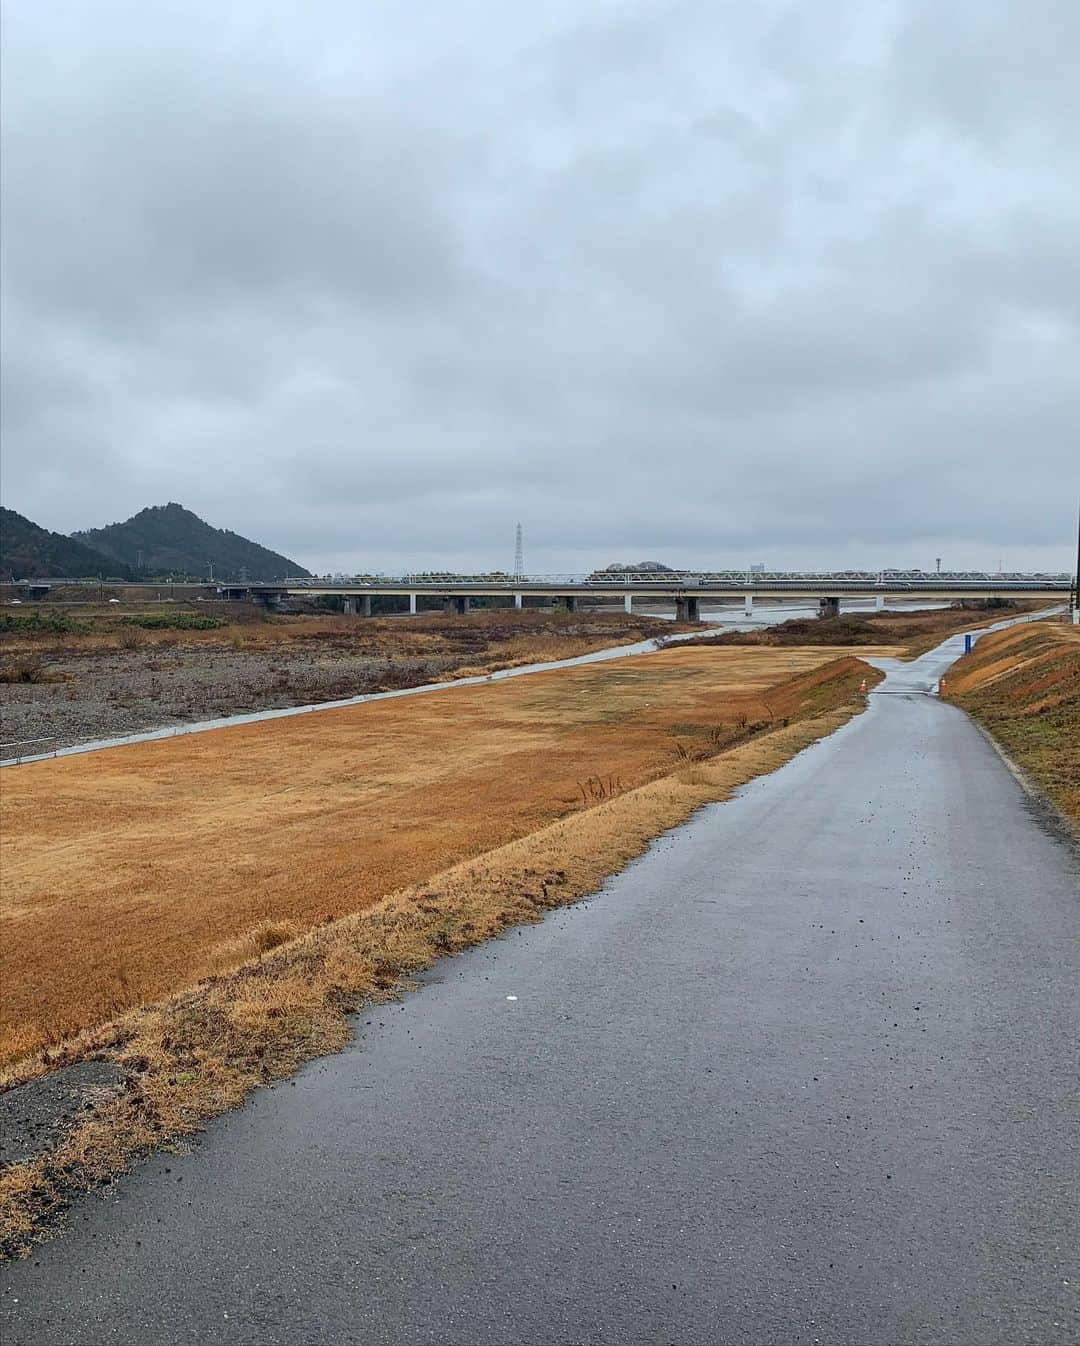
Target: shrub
28, 669
270, 934
53, 622
174, 621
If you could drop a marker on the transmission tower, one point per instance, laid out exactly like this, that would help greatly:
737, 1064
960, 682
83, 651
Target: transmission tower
519, 555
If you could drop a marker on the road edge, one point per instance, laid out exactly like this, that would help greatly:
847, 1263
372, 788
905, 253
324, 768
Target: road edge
1052, 817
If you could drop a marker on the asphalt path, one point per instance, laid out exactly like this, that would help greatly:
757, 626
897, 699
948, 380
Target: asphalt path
806, 1072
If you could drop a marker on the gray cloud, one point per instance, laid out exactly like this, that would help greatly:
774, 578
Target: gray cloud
707, 282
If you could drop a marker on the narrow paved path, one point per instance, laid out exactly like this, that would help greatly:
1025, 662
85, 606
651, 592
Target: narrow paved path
805, 1073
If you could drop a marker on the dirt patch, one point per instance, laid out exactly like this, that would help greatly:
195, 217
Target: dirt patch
36, 1114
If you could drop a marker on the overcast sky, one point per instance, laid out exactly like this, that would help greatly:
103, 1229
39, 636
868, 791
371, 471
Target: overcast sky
708, 282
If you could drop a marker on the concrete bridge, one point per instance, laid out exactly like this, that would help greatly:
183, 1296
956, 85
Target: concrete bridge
686, 592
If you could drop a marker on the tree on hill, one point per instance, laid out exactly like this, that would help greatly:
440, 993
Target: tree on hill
638, 568
169, 539
28, 551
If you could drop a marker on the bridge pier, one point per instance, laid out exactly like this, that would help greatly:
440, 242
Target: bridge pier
829, 607
628, 604
748, 605
365, 607
879, 603
519, 601
349, 605
687, 609
458, 603
412, 605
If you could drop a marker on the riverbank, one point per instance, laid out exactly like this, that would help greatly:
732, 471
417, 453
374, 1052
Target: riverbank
108, 678
181, 850
556, 782
1023, 686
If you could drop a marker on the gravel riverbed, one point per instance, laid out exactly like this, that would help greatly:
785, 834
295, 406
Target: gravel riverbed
108, 693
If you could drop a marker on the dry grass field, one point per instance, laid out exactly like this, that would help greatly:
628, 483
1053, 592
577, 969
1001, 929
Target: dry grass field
55, 629
131, 873
66, 677
1023, 685
189, 1057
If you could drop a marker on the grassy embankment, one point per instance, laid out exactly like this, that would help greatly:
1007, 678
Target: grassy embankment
363, 842
1023, 686
131, 873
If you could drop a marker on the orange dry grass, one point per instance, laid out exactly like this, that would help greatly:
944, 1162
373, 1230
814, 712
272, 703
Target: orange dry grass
1031, 646
200, 1053
1023, 685
131, 873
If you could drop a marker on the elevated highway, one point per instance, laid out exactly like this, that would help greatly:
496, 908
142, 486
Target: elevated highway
686, 592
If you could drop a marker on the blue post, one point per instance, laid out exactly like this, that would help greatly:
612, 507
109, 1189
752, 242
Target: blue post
968, 642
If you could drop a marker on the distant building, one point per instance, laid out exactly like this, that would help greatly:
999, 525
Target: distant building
758, 568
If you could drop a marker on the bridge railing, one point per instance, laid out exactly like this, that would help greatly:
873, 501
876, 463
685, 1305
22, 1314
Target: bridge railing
885, 582
598, 579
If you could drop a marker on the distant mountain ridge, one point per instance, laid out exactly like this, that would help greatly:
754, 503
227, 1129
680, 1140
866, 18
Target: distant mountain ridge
169, 538
28, 551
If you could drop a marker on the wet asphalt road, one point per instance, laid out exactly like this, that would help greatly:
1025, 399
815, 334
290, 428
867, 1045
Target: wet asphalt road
806, 1072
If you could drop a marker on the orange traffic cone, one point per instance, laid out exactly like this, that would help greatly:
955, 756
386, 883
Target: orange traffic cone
862, 686
941, 686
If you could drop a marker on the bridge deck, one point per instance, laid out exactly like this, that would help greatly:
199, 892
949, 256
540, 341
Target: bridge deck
670, 589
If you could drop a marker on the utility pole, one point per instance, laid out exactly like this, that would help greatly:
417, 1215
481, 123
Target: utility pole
519, 555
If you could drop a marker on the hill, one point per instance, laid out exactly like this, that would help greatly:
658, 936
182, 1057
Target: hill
28, 551
638, 568
169, 538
